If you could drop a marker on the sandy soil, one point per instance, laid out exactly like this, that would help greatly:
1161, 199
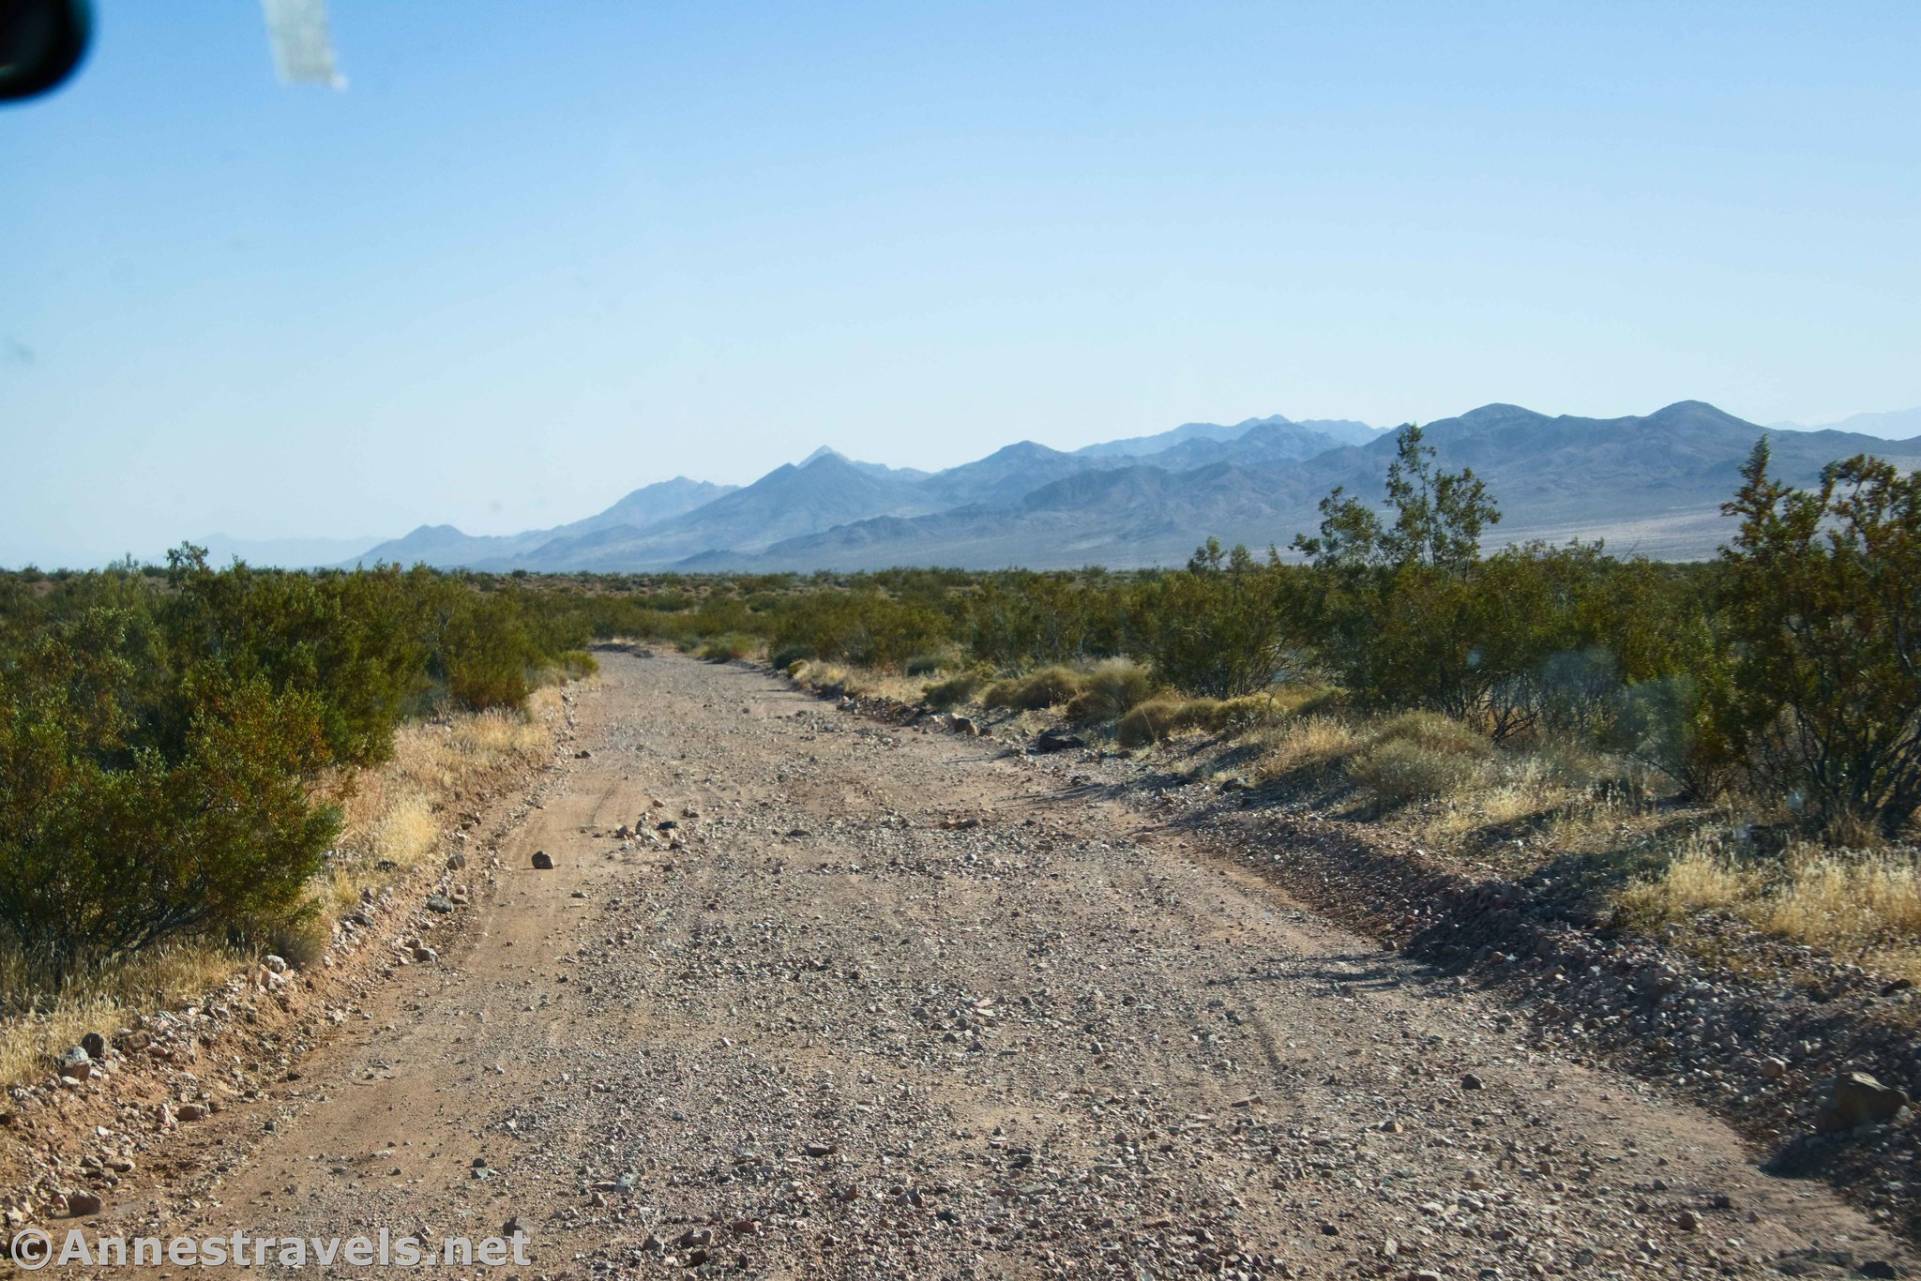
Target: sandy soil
891, 1003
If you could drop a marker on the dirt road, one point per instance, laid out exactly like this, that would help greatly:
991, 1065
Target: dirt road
901, 1006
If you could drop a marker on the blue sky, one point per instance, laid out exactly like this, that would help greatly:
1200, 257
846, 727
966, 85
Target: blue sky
535, 256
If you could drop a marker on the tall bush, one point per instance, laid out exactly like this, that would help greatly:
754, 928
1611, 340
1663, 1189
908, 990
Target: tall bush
1823, 599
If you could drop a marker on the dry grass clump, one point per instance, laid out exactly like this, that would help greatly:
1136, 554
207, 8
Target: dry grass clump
1418, 756
1433, 732
933, 663
1252, 710
1511, 789
1697, 879
37, 1029
729, 648
1399, 772
1862, 901
1109, 692
1047, 687
391, 816
1307, 744
1831, 897
1153, 721
572, 664
955, 690
822, 678
789, 657
834, 680
1560, 794
1159, 719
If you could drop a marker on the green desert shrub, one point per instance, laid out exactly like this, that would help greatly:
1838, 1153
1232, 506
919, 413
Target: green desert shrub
161, 732
106, 848
1220, 628
486, 664
1420, 755
1399, 772
1819, 594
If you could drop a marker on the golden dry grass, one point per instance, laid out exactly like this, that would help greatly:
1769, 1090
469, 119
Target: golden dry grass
1167, 716
1305, 743
1044, 687
861, 682
1571, 804
392, 819
1698, 878
1109, 692
102, 1002
1835, 900
955, 689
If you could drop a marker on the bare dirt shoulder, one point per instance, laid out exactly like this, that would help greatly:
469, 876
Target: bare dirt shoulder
1755, 1029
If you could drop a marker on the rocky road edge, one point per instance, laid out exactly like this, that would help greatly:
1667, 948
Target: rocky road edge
1776, 1049
117, 1113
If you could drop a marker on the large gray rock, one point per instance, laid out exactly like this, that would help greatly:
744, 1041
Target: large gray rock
1856, 1099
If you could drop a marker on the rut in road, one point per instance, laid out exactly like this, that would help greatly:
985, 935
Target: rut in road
846, 1030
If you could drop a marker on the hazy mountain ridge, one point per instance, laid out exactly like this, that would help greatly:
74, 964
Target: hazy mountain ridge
446, 547
1898, 424
1345, 431
790, 501
1650, 483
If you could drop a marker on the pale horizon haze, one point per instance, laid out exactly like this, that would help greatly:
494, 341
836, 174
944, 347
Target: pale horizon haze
529, 260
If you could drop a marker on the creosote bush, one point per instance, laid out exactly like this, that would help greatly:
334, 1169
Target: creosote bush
162, 734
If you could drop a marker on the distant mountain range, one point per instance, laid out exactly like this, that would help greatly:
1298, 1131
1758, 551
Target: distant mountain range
445, 547
1899, 424
1651, 484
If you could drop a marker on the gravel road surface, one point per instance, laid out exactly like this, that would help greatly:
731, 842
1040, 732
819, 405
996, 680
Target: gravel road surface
893, 1003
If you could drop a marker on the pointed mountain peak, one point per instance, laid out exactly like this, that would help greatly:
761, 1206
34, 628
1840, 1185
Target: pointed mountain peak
1026, 449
